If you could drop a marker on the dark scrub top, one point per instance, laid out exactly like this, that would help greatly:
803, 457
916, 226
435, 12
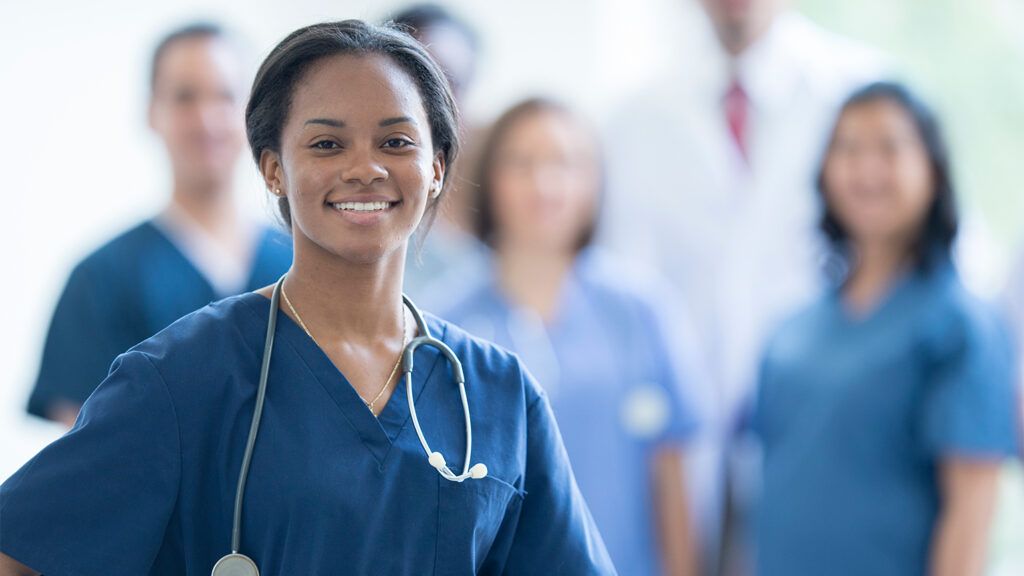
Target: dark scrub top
145, 481
121, 294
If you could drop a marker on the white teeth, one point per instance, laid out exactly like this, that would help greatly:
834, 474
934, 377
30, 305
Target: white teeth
361, 206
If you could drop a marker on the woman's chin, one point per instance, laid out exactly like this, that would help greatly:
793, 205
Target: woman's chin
371, 253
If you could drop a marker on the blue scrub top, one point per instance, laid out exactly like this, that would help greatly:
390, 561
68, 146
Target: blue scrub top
145, 481
856, 416
605, 361
121, 294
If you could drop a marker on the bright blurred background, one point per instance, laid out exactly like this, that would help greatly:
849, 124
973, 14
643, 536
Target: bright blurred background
80, 163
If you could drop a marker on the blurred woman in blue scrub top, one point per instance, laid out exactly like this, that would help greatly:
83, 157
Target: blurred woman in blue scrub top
599, 344
886, 408
197, 250
354, 127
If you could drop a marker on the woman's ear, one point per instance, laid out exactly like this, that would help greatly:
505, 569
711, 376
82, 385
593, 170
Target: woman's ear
438, 182
272, 171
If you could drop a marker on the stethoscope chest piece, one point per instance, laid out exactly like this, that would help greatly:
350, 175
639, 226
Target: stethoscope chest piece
235, 565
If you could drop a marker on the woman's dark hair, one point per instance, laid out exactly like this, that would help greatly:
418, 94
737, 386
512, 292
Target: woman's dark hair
934, 243
193, 31
272, 91
484, 217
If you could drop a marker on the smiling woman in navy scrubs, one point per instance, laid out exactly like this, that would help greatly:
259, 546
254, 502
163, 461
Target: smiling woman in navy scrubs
887, 407
354, 127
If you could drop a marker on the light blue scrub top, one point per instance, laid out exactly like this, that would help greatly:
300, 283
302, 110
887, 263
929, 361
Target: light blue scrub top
145, 481
607, 363
856, 416
124, 292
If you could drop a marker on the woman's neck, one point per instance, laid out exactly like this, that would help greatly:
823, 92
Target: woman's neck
877, 266
534, 277
340, 300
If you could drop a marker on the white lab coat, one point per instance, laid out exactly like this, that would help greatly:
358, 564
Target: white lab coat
738, 241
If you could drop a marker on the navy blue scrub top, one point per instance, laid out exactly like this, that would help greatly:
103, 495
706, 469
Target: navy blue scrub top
145, 481
856, 416
121, 294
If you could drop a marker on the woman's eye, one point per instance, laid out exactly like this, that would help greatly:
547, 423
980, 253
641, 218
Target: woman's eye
326, 145
397, 143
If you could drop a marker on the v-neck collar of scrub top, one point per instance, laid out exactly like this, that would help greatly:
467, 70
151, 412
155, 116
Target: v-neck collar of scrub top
378, 434
901, 287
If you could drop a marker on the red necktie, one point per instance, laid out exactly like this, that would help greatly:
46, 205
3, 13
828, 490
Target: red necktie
736, 106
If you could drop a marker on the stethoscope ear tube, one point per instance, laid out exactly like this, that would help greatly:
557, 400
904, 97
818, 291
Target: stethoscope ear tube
236, 564
436, 459
453, 360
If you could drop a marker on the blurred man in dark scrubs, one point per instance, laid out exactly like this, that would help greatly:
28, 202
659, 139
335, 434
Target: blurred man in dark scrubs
198, 249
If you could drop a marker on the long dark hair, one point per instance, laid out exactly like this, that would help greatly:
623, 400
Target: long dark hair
934, 243
271, 94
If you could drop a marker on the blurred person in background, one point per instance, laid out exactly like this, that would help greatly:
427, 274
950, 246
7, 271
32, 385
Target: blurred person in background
711, 181
454, 44
886, 408
197, 250
597, 342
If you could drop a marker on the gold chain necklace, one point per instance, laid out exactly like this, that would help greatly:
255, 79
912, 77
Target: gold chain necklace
398, 361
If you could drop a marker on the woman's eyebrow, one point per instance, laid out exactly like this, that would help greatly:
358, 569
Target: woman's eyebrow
340, 124
396, 120
326, 122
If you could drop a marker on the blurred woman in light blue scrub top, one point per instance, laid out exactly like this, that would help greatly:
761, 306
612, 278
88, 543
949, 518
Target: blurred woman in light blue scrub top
887, 408
600, 345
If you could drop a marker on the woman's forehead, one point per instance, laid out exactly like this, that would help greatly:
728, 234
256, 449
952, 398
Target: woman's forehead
357, 89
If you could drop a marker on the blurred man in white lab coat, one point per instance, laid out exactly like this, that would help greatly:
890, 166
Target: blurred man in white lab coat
712, 180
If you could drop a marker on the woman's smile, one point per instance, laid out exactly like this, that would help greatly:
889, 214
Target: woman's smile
364, 211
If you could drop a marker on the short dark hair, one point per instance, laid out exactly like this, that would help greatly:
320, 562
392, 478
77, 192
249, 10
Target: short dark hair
484, 218
192, 31
271, 95
418, 17
934, 243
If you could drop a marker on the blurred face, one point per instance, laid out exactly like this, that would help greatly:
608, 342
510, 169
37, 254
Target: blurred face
197, 109
739, 22
454, 53
878, 177
545, 183
356, 162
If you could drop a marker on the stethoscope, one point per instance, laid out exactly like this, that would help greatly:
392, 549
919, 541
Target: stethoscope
238, 564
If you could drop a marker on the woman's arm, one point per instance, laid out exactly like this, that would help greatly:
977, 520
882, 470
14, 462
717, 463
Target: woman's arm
11, 567
110, 484
968, 492
672, 514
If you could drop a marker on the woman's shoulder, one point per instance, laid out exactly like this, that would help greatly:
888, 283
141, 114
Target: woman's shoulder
803, 327
209, 341
952, 316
